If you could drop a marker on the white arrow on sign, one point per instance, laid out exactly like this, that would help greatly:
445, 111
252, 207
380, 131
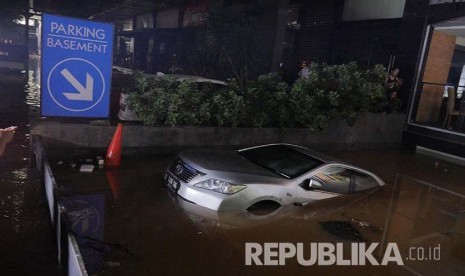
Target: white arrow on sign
85, 93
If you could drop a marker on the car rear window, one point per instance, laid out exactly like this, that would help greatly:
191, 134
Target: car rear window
282, 160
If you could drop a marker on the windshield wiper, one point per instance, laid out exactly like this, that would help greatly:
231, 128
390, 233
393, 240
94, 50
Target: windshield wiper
278, 172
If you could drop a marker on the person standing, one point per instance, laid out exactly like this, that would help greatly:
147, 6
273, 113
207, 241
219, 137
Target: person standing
304, 72
393, 84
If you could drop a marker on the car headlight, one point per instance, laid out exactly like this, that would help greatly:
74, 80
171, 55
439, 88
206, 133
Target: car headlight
220, 186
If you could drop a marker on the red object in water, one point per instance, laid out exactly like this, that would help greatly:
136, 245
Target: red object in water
113, 179
113, 158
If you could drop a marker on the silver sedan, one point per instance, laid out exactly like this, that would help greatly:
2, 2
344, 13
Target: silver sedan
278, 174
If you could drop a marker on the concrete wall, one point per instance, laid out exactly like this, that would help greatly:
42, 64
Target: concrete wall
370, 131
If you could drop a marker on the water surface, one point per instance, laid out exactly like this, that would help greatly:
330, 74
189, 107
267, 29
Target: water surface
128, 223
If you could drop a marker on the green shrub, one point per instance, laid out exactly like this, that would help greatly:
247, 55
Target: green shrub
156, 101
336, 91
267, 102
227, 106
310, 106
193, 106
143, 100
331, 91
375, 85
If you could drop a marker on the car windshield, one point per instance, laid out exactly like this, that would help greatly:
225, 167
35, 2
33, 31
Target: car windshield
281, 159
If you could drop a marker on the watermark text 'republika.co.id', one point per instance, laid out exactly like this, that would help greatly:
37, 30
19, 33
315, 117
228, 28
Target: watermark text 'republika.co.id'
321, 253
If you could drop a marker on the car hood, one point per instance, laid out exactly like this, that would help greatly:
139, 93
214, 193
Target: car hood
229, 165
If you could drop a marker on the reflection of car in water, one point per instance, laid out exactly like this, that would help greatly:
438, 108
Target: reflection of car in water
12, 59
278, 174
126, 114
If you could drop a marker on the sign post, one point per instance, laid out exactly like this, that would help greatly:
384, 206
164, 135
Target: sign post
76, 67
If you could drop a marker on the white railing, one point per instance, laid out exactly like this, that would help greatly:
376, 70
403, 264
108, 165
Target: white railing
69, 256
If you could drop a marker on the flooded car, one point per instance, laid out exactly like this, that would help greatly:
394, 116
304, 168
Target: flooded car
275, 174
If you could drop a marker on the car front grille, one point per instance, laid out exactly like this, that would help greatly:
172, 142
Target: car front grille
182, 170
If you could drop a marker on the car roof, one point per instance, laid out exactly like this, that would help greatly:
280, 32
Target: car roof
194, 78
126, 71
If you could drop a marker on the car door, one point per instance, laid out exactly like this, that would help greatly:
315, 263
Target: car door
328, 182
332, 181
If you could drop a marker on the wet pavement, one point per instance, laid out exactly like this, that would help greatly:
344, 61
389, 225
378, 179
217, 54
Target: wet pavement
26, 241
128, 223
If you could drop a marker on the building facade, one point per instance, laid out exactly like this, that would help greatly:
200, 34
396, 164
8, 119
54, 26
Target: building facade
172, 37
424, 38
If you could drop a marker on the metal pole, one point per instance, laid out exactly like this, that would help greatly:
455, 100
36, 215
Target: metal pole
26, 36
390, 64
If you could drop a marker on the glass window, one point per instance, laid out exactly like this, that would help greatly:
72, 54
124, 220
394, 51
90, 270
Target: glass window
145, 21
461, 84
363, 181
335, 180
372, 9
282, 160
127, 25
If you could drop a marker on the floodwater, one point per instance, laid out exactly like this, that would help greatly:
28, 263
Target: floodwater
26, 239
128, 223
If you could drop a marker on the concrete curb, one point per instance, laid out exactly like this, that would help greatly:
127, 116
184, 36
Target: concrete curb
372, 130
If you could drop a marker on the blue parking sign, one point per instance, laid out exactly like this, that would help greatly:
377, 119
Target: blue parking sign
76, 67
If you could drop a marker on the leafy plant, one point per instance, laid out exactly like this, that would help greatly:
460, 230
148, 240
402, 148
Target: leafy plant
267, 102
310, 106
227, 106
331, 91
336, 91
193, 105
156, 101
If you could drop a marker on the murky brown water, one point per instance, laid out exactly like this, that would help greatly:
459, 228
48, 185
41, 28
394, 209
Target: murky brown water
129, 224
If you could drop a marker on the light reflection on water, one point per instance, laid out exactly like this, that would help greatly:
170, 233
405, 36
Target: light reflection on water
24, 224
21, 99
33, 87
11, 200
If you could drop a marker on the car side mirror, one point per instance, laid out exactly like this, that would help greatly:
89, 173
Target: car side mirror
305, 184
314, 185
311, 184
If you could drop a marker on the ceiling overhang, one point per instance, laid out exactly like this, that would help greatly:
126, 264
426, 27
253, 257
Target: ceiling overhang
125, 11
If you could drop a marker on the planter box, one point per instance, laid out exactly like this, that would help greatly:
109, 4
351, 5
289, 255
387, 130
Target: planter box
372, 130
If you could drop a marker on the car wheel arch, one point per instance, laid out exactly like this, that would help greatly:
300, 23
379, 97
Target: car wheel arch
265, 202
